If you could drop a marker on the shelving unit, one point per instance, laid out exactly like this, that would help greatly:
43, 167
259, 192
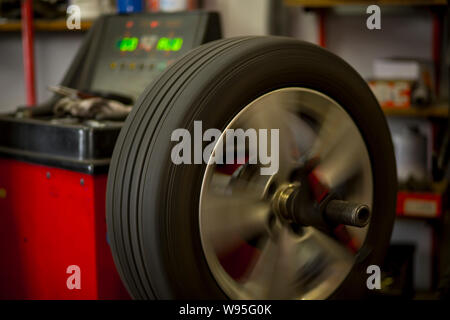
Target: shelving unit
331, 3
436, 111
44, 25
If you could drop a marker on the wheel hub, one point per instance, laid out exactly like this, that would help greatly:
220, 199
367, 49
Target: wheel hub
287, 206
282, 202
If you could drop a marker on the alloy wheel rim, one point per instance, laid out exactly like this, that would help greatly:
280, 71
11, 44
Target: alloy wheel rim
251, 251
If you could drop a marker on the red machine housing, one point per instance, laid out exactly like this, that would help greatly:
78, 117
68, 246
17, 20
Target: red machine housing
51, 219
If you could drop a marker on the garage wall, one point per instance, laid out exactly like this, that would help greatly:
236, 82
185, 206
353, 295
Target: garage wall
53, 54
249, 17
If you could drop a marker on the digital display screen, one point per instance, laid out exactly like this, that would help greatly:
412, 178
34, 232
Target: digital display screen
164, 44
128, 44
169, 44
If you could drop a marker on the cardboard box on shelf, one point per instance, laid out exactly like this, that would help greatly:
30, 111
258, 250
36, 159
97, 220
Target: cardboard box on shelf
403, 82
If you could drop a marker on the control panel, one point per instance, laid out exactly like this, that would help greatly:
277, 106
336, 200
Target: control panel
134, 49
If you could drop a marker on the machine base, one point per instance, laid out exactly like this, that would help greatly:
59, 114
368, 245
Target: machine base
51, 219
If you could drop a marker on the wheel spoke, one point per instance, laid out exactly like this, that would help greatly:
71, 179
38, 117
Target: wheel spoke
321, 261
340, 167
329, 246
339, 150
232, 220
333, 128
261, 275
284, 275
288, 147
273, 276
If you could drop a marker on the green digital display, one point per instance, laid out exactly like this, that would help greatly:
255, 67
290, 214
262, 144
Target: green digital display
169, 44
128, 44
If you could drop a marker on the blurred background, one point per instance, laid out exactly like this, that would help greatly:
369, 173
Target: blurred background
405, 63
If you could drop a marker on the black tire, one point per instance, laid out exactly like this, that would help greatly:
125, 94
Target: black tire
152, 204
